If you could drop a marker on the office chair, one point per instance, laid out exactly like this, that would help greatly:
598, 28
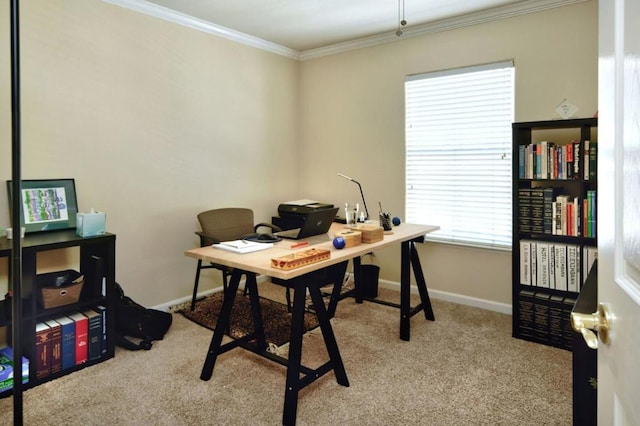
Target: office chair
224, 224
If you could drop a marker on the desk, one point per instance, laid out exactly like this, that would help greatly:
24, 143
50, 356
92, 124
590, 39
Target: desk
310, 277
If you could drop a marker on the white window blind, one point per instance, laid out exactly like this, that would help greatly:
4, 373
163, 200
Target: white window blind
458, 153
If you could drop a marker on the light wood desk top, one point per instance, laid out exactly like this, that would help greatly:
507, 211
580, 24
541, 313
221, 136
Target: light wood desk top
260, 262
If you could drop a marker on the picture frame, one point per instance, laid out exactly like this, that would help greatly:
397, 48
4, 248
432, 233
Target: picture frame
46, 204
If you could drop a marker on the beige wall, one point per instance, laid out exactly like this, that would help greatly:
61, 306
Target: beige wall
353, 119
157, 122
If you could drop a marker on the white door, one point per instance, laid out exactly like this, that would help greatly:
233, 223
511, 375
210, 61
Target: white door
619, 210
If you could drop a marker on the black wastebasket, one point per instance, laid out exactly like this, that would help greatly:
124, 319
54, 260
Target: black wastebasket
370, 275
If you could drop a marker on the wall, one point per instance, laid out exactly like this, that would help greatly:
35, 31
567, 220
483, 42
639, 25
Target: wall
156, 122
353, 120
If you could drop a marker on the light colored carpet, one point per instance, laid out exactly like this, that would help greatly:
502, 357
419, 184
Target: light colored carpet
462, 369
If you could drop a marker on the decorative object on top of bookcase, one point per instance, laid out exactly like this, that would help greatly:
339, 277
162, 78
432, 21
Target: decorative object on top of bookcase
47, 204
554, 224
566, 109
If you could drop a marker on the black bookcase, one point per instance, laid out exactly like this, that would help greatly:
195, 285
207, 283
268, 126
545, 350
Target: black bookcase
554, 225
96, 260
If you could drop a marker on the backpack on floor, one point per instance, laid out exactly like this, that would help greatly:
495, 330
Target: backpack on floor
134, 320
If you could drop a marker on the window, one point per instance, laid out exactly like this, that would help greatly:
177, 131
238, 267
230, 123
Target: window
458, 153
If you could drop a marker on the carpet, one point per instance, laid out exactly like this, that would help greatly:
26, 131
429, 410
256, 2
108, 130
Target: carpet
275, 318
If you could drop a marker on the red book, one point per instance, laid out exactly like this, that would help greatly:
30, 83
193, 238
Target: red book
570, 219
82, 337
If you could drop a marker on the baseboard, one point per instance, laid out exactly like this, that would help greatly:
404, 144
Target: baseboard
391, 285
454, 298
172, 305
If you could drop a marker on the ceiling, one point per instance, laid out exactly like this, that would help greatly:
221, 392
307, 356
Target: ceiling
303, 25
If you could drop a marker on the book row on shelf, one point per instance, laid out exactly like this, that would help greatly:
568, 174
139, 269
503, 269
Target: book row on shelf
66, 341
546, 318
555, 266
547, 160
548, 211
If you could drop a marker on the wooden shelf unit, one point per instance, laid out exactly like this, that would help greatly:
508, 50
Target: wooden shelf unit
541, 313
96, 260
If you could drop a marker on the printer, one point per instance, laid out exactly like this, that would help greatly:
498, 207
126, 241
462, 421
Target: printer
291, 214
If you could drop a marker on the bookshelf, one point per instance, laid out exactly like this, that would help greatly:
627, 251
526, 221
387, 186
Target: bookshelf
554, 225
96, 261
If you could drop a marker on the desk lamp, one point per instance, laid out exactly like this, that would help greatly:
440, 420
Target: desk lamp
366, 212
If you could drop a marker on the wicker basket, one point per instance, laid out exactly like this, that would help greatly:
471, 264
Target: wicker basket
59, 288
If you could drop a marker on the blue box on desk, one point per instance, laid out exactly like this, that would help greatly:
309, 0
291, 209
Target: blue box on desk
6, 369
90, 224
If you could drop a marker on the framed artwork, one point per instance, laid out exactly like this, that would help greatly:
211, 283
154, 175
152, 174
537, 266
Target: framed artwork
47, 205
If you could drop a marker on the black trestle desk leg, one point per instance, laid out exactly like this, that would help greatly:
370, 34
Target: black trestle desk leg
292, 386
252, 288
405, 291
329, 337
422, 284
221, 325
357, 279
195, 285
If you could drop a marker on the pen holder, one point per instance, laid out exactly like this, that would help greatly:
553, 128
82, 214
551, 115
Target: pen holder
385, 221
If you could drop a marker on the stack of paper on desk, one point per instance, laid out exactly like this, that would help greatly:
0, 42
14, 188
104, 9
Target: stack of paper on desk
242, 246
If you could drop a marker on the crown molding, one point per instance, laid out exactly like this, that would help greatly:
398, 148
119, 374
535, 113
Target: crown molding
470, 19
171, 15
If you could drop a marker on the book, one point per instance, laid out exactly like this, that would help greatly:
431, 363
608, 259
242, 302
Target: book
541, 317
548, 194
593, 161
94, 334
524, 209
82, 337
590, 214
525, 301
561, 213
585, 159
588, 258
242, 246
6, 369
103, 313
555, 320
561, 266
56, 346
530, 162
544, 159
575, 220
576, 159
573, 267
537, 219
552, 266
43, 350
525, 262
543, 264
534, 264
569, 161
68, 341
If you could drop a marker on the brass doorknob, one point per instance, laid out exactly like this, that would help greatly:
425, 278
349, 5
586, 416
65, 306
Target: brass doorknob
588, 324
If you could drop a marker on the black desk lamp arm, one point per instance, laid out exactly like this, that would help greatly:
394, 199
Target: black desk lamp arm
366, 211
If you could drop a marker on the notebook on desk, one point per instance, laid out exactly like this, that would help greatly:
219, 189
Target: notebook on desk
315, 223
